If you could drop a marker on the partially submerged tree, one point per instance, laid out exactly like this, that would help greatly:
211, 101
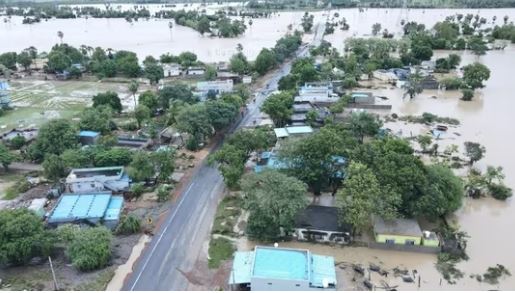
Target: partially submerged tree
474, 151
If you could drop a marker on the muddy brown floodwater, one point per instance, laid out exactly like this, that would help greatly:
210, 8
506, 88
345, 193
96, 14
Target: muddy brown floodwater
489, 119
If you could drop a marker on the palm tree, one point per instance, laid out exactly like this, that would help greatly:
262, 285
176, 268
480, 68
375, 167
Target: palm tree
133, 88
60, 35
413, 84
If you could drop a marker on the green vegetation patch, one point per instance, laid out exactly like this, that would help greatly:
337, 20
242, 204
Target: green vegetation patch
227, 214
220, 249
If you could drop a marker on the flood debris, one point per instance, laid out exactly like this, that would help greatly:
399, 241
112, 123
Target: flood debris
368, 284
446, 265
407, 279
493, 274
359, 269
374, 267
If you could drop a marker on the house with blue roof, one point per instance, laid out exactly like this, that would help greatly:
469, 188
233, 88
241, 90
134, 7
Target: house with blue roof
88, 208
282, 269
88, 137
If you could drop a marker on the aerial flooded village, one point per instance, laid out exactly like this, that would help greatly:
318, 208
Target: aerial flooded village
314, 145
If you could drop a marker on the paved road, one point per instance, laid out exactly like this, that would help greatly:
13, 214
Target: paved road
179, 240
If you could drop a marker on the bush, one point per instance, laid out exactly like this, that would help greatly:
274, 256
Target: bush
500, 191
452, 83
163, 192
137, 190
129, 224
90, 249
17, 142
468, 94
220, 249
22, 237
129, 126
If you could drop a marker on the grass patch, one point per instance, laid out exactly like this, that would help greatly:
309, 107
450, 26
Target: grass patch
220, 249
227, 214
21, 185
99, 283
427, 118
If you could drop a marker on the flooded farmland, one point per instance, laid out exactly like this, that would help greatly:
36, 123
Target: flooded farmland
488, 119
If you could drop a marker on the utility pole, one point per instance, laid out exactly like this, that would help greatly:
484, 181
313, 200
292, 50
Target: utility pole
56, 287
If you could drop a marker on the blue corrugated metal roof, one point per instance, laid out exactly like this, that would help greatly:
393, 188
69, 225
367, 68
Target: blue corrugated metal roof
72, 207
322, 270
89, 133
280, 263
4, 86
114, 208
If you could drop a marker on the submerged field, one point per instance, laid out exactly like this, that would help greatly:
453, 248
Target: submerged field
35, 101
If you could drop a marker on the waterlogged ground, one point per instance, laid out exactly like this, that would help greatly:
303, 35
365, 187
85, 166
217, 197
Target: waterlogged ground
36, 101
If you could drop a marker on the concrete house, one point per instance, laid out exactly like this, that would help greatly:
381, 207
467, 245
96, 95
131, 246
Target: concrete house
89, 208
362, 98
195, 71
320, 93
216, 86
292, 131
171, 70
98, 179
282, 269
404, 234
29, 134
320, 224
384, 75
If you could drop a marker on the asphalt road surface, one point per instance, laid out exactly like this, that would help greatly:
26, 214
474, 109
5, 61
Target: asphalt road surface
179, 240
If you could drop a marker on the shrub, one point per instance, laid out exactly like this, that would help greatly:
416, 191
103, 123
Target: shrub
90, 249
163, 192
17, 142
137, 189
468, 94
220, 249
129, 224
452, 83
22, 237
500, 191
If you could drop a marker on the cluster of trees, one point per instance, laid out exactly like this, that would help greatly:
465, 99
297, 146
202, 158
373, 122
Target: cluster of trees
235, 152
185, 59
307, 22
24, 59
504, 32
491, 182
284, 48
45, 11
302, 71
203, 23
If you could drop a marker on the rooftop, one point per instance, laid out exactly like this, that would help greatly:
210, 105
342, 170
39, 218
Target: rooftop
281, 263
94, 172
89, 133
401, 227
72, 207
321, 218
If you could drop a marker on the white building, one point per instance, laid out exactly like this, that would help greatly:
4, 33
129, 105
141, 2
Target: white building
172, 70
384, 75
216, 86
196, 71
98, 179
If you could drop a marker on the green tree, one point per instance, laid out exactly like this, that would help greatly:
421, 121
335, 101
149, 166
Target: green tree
220, 113
141, 167
127, 64
25, 60
58, 62
176, 92
6, 158
424, 141
187, 59
443, 195
314, 159
54, 137
307, 22
90, 248
17, 142
238, 63
231, 163
164, 163
203, 25
264, 61
112, 157
421, 52
210, 73
149, 99
475, 74
477, 45
288, 82
154, 72
133, 89
96, 119
364, 124
108, 98
474, 151
358, 197
76, 158
8, 60
129, 224
53, 167
413, 86
376, 28
194, 120
23, 237
141, 113
273, 201
467, 94
279, 108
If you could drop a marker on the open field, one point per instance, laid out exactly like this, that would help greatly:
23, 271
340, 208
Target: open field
37, 101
